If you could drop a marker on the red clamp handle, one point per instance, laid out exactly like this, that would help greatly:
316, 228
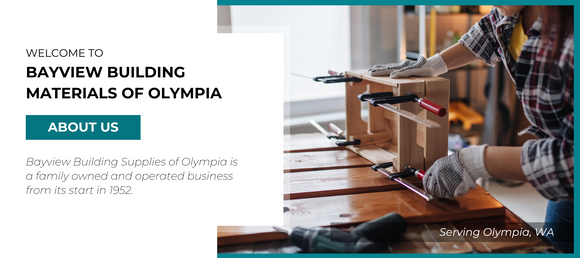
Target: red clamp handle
432, 107
419, 174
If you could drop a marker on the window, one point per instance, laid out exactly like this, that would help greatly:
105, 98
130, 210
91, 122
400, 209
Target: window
318, 39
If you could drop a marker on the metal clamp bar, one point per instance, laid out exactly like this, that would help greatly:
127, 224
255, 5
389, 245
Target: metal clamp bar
384, 101
336, 130
411, 116
378, 98
382, 165
338, 140
406, 184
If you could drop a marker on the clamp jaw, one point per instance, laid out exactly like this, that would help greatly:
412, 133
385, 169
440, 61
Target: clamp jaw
398, 177
408, 171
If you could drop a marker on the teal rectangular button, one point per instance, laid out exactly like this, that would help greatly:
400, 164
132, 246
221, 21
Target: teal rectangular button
83, 127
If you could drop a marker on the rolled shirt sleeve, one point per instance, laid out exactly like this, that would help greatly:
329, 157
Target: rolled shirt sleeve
481, 41
549, 166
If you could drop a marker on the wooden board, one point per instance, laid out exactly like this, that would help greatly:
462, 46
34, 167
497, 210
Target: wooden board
436, 91
364, 74
309, 142
371, 138
339, 182
233, 235
311, 161
377, 122
357, 208
409, 153
348, 210
373, 153
354, 123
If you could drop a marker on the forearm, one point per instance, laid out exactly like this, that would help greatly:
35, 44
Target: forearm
457, 56
504, 162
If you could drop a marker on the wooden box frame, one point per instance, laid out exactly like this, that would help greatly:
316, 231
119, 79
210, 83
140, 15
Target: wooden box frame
389, 137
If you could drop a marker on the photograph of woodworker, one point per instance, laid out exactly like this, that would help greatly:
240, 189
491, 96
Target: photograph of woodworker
536, 46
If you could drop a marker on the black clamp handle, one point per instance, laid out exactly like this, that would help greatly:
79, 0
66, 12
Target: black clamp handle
382, 165
370, 96
345, 143
393, 100
405, 173
378, 98
336, 79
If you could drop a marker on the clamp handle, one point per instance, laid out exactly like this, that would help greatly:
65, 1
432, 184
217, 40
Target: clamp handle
420, 174
347, 143
336, 78
382, 165
408, 171
428, 105
432, 107
365, 96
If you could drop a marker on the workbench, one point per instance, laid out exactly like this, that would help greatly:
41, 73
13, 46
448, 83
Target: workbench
322, 180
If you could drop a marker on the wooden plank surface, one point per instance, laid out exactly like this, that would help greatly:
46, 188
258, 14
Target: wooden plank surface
371, 138
323, 160
373, 153
409, 153
347, 210
357, 208
339, 182
364, 74
234, 235
309, 142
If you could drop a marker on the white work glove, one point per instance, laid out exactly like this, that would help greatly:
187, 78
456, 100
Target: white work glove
433, 66
452, 176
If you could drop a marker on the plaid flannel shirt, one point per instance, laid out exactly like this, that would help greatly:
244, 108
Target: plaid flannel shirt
547, 99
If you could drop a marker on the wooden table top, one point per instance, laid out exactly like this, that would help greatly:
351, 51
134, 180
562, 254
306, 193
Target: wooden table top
331, 186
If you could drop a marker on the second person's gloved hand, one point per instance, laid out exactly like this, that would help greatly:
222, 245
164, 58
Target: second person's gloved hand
452, 176
433, 66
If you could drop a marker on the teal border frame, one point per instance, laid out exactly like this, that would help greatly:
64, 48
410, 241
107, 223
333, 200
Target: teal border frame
422, 2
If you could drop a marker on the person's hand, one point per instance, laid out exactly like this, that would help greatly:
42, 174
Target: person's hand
452, 176
433, 66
